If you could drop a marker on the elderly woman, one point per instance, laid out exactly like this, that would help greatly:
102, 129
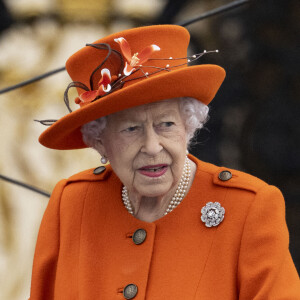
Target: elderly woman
154, 223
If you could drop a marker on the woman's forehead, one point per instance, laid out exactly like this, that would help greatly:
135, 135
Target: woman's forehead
157, 109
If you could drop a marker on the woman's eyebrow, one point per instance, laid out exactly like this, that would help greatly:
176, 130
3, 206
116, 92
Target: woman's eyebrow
138, 118
132, 119
169, 113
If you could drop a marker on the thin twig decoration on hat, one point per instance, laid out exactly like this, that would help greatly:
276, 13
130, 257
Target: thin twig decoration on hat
109, 83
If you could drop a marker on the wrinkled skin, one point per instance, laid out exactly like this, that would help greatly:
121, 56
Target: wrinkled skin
147, 135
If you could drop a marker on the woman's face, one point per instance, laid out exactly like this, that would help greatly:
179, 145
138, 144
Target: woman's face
146, 147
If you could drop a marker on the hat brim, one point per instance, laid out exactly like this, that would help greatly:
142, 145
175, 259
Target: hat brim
200, 82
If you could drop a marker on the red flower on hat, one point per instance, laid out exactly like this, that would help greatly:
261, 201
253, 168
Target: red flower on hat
103, 88
136, 59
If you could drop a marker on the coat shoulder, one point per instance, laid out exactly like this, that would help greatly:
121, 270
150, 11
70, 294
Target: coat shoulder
95, 174
231, 178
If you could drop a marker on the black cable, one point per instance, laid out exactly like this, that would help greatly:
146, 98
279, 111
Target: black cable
34, 79
214, 12
24, 185
210, 13
170, 11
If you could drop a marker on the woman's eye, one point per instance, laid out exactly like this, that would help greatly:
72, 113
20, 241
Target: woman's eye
167, 124
131, 129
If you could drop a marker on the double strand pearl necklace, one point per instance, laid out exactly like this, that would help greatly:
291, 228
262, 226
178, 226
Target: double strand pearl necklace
179, 193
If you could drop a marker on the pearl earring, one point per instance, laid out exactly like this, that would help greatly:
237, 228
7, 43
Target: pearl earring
104, 160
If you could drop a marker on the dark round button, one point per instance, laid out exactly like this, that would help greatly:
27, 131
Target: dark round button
99, 170
225, 175
139, 236
130, 291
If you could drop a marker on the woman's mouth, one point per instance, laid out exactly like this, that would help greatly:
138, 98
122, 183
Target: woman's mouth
153, 170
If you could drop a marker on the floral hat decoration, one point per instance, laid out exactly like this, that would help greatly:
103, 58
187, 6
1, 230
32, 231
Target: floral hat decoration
127, 69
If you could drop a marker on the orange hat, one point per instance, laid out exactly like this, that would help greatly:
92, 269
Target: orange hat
127, 69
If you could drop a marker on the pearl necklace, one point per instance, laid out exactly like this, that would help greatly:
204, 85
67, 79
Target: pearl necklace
179, 193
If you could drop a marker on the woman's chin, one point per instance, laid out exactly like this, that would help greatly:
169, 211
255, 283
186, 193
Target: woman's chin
153, 191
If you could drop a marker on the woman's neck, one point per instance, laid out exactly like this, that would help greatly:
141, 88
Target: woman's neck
149, 209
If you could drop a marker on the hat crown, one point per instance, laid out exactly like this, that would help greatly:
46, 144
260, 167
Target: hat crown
172, 40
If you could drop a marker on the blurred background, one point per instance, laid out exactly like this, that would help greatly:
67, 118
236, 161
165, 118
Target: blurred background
255, 118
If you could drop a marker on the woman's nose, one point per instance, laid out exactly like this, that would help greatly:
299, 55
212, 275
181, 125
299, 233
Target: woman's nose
151, 144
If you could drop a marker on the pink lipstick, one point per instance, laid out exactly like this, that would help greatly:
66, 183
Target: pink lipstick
154, 170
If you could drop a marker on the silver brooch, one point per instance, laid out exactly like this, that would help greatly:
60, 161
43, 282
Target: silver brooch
212, 214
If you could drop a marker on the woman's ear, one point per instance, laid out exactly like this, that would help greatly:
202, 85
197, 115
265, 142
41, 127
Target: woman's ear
100, 147
102, 151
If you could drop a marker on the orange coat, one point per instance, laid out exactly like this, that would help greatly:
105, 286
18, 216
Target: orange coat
85, 250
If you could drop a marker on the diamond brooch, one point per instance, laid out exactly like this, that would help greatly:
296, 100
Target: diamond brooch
212, 214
